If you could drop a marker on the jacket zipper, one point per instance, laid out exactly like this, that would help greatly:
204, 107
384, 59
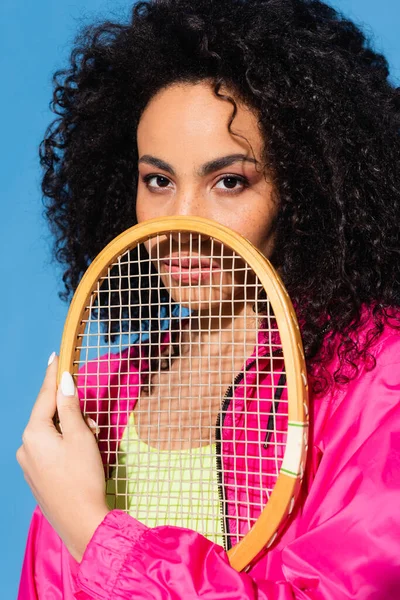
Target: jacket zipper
274, 408
219, 424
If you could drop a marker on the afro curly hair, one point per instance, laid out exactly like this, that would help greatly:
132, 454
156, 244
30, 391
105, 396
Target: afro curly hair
330, 119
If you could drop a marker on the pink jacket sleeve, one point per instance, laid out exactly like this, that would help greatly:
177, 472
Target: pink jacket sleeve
344, 544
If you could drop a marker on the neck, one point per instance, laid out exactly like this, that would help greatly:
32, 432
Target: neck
215, 335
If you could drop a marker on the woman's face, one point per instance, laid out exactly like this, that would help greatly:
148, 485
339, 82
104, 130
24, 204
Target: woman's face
191, 165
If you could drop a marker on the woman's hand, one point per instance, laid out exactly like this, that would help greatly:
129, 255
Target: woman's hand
64, 471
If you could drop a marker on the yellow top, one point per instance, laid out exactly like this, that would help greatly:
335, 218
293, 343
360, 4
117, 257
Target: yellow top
160, 487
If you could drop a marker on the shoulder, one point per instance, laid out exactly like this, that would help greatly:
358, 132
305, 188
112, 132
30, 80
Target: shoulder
387, 351
356, 409
381, 343
379, 373
99, 372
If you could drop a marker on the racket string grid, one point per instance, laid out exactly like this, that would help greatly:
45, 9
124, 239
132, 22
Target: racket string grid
134, 335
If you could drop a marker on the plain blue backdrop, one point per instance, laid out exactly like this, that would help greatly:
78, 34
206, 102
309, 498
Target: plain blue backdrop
35, 38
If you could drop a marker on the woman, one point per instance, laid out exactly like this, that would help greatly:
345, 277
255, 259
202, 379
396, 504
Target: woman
299, 110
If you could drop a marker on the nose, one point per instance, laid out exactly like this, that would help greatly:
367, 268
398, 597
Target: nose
187, 204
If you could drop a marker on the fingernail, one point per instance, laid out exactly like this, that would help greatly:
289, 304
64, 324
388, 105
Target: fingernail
51, 358
67, 384
93, 425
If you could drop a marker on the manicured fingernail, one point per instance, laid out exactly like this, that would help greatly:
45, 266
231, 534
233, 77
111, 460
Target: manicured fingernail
51, 358
67, 384
93, 425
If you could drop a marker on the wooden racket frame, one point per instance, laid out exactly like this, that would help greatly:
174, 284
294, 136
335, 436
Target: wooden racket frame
282, 499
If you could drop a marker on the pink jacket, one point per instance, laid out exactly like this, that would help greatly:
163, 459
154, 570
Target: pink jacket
343, 542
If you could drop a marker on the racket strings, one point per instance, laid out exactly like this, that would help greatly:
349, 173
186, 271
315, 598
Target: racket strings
189, 441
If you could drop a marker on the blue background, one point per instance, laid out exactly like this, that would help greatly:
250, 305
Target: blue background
35, 38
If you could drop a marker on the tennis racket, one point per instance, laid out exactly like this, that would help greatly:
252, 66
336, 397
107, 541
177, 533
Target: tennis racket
186, 351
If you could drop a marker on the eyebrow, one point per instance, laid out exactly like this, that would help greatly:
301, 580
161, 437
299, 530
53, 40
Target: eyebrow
206, 169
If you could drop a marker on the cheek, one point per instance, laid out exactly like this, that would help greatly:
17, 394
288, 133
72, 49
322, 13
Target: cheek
142, 209
260, 234
261, 225
146, 208
259, 230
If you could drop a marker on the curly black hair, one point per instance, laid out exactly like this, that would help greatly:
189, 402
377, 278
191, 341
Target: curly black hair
330, 120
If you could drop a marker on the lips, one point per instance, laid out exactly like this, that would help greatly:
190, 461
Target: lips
193, 269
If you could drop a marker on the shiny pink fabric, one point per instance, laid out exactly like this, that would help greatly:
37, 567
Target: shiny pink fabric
343, 542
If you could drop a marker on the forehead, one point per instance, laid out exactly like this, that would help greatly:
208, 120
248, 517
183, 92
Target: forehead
190, 120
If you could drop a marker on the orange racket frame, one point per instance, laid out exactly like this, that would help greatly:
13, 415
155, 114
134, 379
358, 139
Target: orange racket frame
282, 499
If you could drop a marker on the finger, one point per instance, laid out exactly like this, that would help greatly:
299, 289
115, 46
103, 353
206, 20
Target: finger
68, 407
93, 426
20, 456
45, 405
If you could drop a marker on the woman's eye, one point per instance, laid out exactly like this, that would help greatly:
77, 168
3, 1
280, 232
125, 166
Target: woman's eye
231, 182
156, 181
